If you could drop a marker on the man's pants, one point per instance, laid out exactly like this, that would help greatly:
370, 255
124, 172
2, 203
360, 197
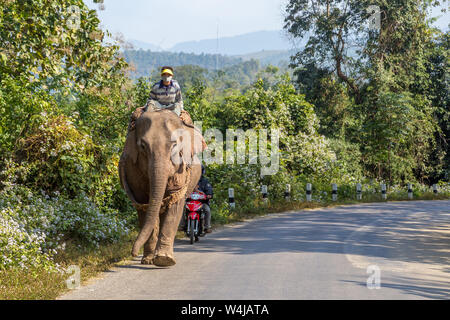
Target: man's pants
207, 216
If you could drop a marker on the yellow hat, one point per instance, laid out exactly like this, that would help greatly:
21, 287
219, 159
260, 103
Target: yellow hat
167, 71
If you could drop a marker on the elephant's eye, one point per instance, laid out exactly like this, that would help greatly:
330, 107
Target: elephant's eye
142, 145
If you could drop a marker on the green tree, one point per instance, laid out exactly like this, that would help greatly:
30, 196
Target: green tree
333, 106
53, 51
55, 43
189, 75
330, 28
437, 68
383, 70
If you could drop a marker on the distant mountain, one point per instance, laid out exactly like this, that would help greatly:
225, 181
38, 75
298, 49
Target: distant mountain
237, 45
144, 45
146, 61
264, 47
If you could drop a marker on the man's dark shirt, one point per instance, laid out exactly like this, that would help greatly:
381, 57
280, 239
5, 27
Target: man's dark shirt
205, 186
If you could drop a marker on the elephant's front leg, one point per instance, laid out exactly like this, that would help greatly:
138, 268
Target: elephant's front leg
150, 245
169, 227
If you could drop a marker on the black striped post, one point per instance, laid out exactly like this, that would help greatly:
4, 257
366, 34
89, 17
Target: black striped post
334, 191
264, 193
308, 192
383, 191
287, 192
358, 191
231, 198
435, 189
410, 191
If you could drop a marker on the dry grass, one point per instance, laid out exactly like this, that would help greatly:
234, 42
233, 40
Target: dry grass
42, 285
30, 285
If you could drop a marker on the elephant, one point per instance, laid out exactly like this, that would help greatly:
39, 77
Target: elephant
158, 168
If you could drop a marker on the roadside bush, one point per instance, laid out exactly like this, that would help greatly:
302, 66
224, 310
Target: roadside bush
34, 228
21, 104
20, 248
57, 156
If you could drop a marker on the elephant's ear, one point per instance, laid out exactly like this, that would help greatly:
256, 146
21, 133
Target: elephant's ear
130, 150
189, 143
197, 141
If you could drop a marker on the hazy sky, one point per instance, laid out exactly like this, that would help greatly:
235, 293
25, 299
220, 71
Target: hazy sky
167, 22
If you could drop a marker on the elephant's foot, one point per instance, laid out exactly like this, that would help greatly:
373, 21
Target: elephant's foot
147, 259
164, 261
135, 252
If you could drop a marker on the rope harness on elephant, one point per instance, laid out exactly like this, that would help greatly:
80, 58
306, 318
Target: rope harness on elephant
173, 198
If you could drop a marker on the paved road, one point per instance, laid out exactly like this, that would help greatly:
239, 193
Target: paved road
310, 254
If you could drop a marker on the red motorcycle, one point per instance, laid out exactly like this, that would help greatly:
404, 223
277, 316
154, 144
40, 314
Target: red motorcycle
195, 216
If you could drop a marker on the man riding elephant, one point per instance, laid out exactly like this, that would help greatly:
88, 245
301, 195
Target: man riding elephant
159, 166
165, 94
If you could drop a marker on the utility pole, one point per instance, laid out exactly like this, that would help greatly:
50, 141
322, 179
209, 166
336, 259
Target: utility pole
217, 48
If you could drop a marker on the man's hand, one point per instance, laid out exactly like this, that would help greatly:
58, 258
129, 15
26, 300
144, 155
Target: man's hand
185, 117
138, 112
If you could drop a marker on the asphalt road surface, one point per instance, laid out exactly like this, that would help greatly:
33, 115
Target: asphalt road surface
394, 250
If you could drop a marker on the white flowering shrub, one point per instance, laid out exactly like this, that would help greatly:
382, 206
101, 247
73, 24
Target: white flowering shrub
34, 228
20, 248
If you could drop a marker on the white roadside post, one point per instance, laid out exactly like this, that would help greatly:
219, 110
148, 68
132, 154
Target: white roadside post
334, 191
264, 193
358, 191
308, 192
410, 191
231, 198
383, 191
287, 192
435, 189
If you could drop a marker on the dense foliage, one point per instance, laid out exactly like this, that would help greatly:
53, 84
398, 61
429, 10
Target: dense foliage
66, 97
380, 89
64, 108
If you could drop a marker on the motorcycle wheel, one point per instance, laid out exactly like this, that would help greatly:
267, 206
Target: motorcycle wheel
192, 231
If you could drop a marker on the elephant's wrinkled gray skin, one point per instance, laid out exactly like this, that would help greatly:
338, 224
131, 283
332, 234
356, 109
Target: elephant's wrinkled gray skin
151, 168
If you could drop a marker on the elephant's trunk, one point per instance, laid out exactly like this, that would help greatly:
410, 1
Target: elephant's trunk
158, 182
